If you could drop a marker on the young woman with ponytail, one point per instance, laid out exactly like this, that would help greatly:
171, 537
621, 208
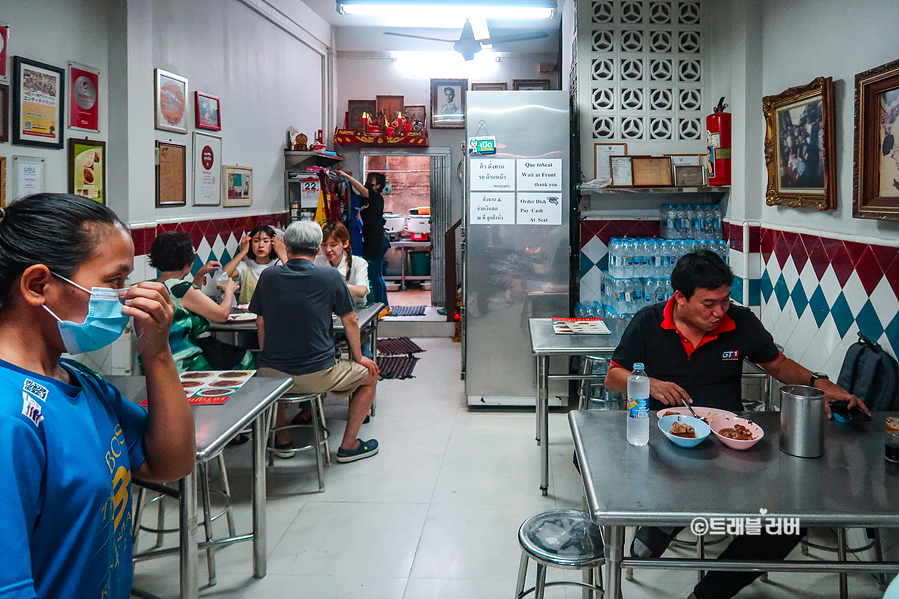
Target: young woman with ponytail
336, 251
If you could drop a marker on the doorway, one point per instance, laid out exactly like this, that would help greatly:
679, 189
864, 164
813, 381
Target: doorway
419, 198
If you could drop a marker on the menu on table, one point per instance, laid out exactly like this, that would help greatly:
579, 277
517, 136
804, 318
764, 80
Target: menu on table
580, 326
211, 387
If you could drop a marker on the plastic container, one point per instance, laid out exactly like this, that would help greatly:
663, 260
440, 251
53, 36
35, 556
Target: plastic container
420, 264
638, 406
802, 421
891, 442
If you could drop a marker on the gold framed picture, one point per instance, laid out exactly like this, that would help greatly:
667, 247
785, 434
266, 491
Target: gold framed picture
651, 171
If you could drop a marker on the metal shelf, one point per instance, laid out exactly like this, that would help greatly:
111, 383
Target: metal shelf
718, 190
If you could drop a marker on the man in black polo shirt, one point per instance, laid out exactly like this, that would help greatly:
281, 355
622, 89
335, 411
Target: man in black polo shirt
293, 303
693, 347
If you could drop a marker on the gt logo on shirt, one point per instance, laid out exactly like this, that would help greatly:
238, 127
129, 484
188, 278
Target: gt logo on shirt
731, 355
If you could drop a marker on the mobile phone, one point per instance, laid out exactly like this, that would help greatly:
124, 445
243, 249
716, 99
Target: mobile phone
842, 413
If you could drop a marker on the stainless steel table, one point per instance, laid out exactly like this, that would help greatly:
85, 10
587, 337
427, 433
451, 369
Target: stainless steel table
404, 246
545, 343
662, 484
216, 425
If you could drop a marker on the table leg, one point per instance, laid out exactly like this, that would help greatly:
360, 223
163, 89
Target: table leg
373, 339
543, 421
841, 555
403, 256
613, 536
259, 542
187, 514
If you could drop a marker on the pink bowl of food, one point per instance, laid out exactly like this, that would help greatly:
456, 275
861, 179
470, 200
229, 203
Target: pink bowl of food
735, 432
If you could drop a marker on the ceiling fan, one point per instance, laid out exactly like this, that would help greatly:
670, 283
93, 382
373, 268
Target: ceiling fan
467, 46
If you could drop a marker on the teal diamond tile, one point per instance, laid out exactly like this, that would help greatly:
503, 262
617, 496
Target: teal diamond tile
755, 293
781, 291
868, 322
766, 287
818, 305
585, 265
197, 265
842, 315
892, 332
736, 289
800, 300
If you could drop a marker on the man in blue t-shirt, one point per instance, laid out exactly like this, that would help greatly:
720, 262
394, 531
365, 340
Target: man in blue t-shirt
293, 303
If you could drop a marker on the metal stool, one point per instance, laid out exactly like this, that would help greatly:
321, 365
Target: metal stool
585, 390
320, 433
563, 539
205, 502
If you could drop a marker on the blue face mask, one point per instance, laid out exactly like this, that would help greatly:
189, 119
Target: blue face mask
104, 324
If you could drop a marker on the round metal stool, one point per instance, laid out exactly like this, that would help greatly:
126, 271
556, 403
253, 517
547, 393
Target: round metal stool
562, 539
320, 434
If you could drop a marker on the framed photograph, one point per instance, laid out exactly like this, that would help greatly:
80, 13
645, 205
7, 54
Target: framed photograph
800, 146
237, 186
448, 103
875, 185
28, 176
2, 181
84, 97
171, 102
4, 55
530, 84
651, 171
4, 113
389, 106
356, 109
171, 173
685, 159
87, 169
621, 170
689, 175
417, 115
489, 87
601, 154
37, 107
207, 169
208, 111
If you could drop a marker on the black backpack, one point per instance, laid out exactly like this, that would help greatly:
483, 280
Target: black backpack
871, 374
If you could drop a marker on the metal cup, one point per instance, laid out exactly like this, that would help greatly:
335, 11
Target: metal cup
802, 421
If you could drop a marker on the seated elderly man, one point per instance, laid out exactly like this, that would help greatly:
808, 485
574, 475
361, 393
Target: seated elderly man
294, 303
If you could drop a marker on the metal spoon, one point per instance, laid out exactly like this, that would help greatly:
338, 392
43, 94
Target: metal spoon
689, 407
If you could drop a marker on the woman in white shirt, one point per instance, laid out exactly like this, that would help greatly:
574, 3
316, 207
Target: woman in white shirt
266, 249
336, 251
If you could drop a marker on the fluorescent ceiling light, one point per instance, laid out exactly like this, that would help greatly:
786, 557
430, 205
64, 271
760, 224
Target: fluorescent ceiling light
485, 9
479, 28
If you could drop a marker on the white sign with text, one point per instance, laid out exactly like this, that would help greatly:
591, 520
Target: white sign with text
539, 209
492, 208
535, 174
492, 175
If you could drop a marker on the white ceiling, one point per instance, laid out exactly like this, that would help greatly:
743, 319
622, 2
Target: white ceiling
327, 9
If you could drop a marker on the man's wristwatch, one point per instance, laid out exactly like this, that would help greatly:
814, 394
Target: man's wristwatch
816, 376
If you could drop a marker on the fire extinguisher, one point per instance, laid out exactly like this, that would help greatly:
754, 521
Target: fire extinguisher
718, 142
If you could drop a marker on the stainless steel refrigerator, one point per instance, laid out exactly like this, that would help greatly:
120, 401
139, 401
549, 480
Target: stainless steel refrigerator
516, 238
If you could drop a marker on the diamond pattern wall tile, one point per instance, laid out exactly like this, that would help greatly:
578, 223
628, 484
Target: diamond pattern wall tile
842, 266
830, 286
789, 272
868, 270
593, 279
736, 289
855, 250
584, 264
808, 278
842, 315
781, 292
884, 300
818, 306
884, 255
868, 322
855, 293
817, 255
800, 300
595, 249
892, 332
766, 287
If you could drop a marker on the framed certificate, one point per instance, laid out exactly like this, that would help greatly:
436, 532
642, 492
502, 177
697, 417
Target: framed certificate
207, 169
601, 153
84, 97
651, 171
171, 173
689, 175
690, 159
28, 176
38, 104
621, 170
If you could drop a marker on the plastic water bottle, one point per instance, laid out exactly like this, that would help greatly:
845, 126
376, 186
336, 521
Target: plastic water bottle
638, 295
613, 257
717, 222
219, 278
663, 221
669, 291
638, 406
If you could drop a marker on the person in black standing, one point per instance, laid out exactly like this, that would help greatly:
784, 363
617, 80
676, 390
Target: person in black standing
374, 241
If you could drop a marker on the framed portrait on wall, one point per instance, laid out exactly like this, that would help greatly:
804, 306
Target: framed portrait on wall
84, 97
875, 186
38, 104
171, 173
208, 111
489, 87
4, 113
448, 103
800, 146
530, 84
87, 169
237, 186
171, 102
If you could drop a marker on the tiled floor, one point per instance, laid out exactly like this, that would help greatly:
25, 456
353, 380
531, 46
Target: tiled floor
433, 516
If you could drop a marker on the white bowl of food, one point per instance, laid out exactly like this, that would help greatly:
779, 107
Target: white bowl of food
684, 431
737, 433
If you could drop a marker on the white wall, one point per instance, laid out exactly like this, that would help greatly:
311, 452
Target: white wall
77, 29
804, 39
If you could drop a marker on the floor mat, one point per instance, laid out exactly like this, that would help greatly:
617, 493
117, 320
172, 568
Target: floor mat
408, 310
397, 346
396, 367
